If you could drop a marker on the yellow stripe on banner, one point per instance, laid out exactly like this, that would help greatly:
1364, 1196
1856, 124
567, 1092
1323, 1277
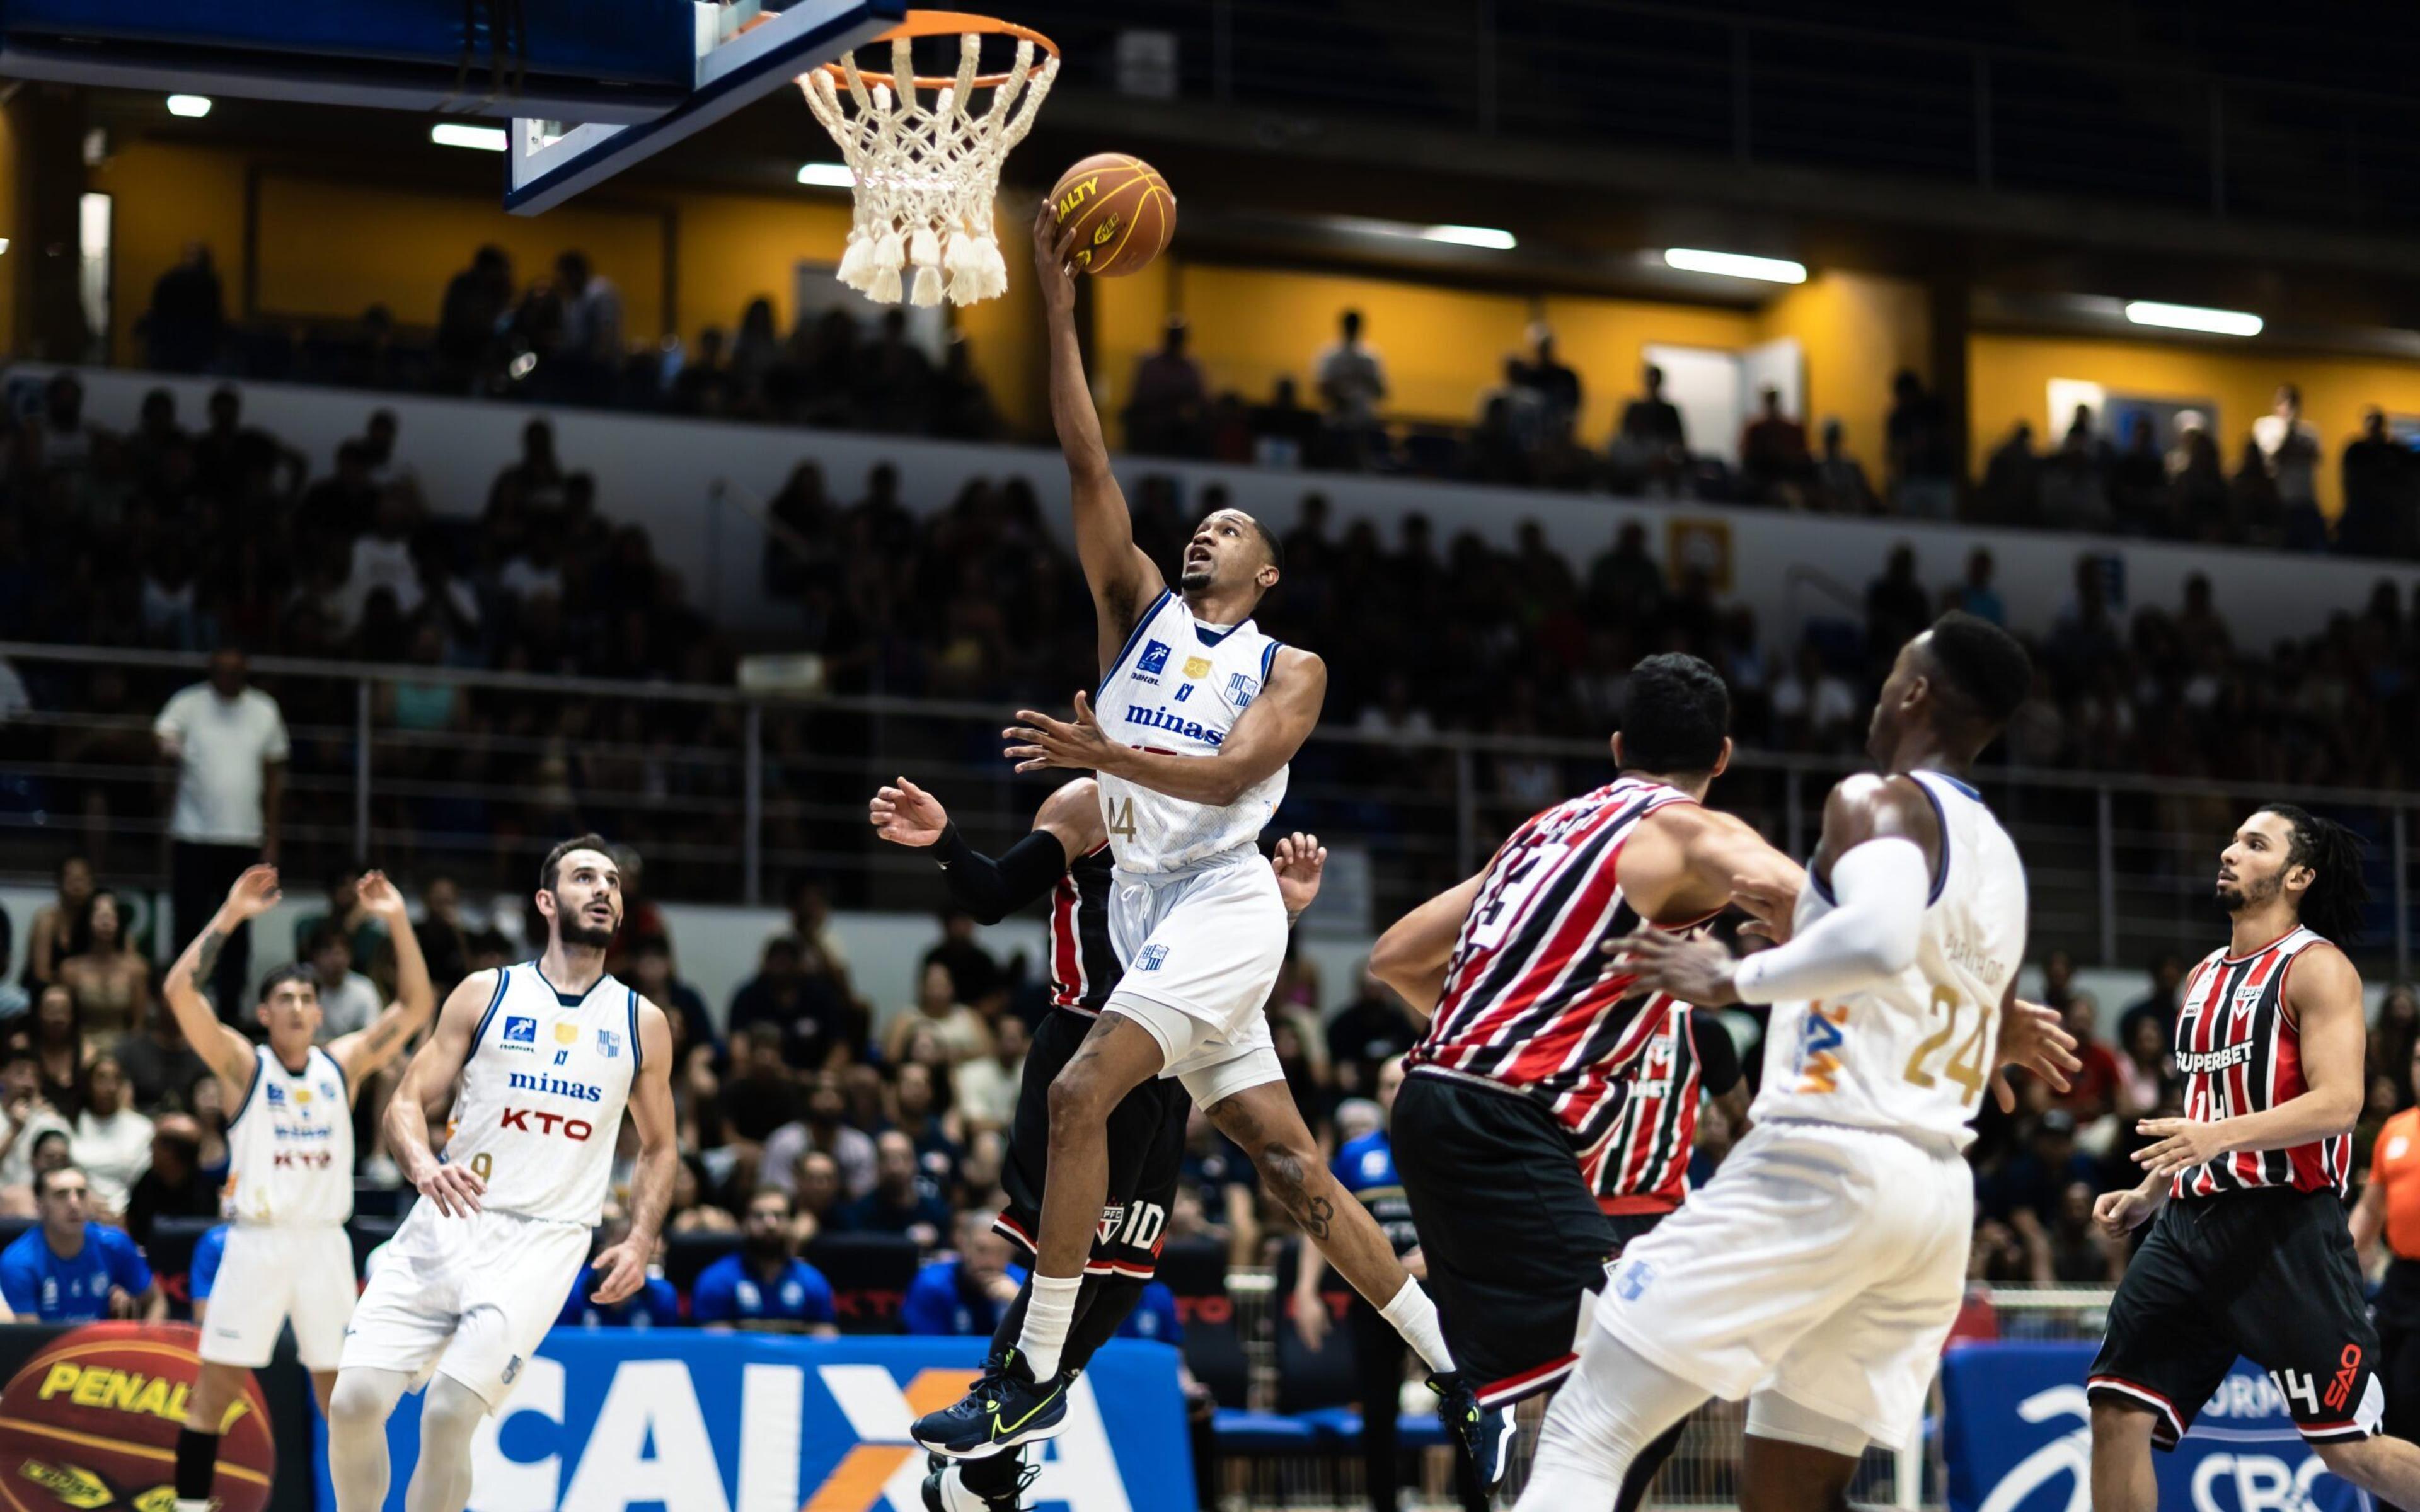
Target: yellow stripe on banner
141, 1451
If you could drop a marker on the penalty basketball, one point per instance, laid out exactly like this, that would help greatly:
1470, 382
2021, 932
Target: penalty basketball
91, 1421
1123, 212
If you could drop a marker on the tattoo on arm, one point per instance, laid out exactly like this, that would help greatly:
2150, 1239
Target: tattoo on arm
205, 959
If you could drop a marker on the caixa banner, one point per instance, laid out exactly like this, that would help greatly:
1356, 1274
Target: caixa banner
2017, 1436
606, 1419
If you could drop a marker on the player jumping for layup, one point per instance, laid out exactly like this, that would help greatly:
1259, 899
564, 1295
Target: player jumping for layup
1819, 1272
539, 1061
2250, 1252
290, 1186
1215, 710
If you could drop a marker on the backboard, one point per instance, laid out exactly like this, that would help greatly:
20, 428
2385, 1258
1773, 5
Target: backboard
587, 87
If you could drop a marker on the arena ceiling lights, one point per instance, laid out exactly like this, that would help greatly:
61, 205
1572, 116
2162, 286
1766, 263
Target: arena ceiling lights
2193, 317
192, 107
1484, 237
826, 174
478, 138
1735, 265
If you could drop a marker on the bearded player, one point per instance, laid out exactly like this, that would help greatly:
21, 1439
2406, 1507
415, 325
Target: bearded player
289, 1189
539, 1061
1198, 712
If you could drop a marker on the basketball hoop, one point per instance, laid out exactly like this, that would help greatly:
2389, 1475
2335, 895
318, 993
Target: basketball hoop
926, 164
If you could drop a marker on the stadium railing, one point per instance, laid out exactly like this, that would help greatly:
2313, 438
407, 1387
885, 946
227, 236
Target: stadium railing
731, 793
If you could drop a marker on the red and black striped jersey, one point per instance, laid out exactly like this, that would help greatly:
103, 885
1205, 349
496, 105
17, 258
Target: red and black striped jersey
1530, 1004
1083, 964
1644, 1167
2241, 1052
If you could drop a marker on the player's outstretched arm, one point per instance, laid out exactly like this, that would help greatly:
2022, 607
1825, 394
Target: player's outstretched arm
1412, 956
1068, 825
2323, 993
622, 1269
428, 1076
226, 1052
366, 1050
1123, 580
1266, 738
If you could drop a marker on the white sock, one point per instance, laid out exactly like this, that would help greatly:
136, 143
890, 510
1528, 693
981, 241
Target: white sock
1048, 1313
1415, 1318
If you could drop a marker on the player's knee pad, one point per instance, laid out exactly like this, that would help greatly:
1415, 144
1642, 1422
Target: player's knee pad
1772, 1415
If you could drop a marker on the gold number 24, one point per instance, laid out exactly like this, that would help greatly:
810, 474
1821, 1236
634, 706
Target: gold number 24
1122, 819
1965, 1064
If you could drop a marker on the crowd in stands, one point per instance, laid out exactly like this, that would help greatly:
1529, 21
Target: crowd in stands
560, 338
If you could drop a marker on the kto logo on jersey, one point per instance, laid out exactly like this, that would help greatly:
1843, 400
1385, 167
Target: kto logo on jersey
1154, 658
579, 1129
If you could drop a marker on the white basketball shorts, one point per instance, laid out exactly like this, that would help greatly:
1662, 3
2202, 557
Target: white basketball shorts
1822, 1264
472, 1297
268, 1275
1202, 948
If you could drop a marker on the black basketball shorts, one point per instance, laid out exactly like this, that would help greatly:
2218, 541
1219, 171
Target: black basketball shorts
2269, 1274
1513, 1236
1146, 1151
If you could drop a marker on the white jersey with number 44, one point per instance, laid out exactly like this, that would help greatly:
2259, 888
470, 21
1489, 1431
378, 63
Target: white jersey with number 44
542, 1092
1178, 687
1913, 1054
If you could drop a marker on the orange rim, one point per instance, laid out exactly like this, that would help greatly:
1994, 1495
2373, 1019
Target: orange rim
946, 24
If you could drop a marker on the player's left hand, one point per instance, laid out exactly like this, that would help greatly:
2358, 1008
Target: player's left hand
1695, 970
620, 1269
2034, 1038
1299, 862
1039, 741
381, 897
906, 814
2182, 1144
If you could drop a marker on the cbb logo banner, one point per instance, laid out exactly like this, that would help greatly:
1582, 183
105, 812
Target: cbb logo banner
606, 1419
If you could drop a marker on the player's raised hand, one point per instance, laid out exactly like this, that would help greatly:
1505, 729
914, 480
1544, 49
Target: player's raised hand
381, 897
1300, 862
254, 893
1698, 971
906, 814
2034, 1038
1054, 270
1038, 741
455, 1189
621, 1269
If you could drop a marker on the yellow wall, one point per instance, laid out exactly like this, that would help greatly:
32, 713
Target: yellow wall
1129, 315
2008, 375
1855, 332
163, 197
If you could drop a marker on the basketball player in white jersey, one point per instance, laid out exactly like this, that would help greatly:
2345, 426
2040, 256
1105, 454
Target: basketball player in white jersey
1819, 1272
539, 1059
1198, 714
289, 1186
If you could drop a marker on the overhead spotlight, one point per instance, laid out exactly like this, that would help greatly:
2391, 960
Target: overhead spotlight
1735, 265
477, 138
2193, 317
826, 174
1470, 236
193, 107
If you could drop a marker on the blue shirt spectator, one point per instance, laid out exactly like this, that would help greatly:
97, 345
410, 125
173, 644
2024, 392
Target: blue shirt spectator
901, 1201
203, 1273
765, 1285
68, 1269
1154, 1317
964, 1295
655, 1305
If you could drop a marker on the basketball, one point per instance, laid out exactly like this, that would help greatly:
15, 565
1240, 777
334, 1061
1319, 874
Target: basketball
1123, 212
91, 1421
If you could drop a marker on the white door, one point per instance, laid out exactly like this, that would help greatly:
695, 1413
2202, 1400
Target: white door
1704, 384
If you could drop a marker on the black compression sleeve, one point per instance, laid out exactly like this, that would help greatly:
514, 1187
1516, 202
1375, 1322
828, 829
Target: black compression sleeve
1718, 1063
991, 890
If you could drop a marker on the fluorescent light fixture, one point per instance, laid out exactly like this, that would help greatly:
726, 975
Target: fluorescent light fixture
1469, 235
2193, 317
826, 174
193, 107
1735, 265
479, 138
4, 244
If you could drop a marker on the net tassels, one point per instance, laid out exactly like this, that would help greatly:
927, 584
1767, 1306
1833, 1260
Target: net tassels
926, 172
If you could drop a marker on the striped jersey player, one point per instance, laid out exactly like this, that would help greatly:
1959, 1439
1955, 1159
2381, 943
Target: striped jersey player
1512, 1096
2249, 1252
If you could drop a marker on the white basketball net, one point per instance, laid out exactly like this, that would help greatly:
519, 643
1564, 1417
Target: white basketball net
926, 172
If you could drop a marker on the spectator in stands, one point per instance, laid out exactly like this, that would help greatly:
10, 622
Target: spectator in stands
798, 1001
1351, 383
1166, 412
651, 973
755, 350
1553, 386
2075, 1251
960, 1029
2138, 481
824, 1127
55, 439
921, 1108
161, 1067
817, 1194
2092, 1092
694, 1208
346, 915
592, 313
704, 385
1650, 449
59, 1048
187, 321
1774, 467
1813, 708
901, 1202
2198, 497
2382, 493
341, 506
2289, 445
112, 1141
111, 980
2075, 488
1897, 607
761, 1097
1976, 595
25, 1115
470, 321
984, 1088
2148, 1070
347, 1000
1221, 1179
1366, 1033
963, 1295
1285, 431
1842, 486
2026, 1192
655, 1305
230, 458
763, 1286
73, 1269
228, 742
1923, 467
2256, 512
174, 1185
62, 927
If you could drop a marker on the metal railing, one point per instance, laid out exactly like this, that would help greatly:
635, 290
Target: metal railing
2107, 115
730, 797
